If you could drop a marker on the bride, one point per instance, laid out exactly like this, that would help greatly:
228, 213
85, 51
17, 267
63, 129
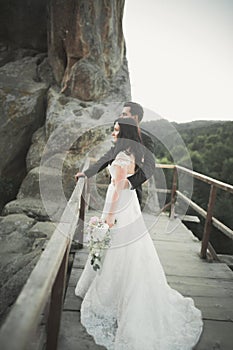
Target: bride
128, 304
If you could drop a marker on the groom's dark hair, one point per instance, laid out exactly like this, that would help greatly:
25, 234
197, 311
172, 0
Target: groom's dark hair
135, 109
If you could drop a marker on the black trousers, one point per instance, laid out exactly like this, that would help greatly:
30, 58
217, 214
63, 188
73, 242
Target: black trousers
139, 195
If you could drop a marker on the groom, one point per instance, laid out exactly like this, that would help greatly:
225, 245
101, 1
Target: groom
135, 181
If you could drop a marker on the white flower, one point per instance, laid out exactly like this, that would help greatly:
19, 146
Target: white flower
98, 241
99, 232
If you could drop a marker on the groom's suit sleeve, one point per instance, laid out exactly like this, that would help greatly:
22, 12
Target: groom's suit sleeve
148, 167
101, 164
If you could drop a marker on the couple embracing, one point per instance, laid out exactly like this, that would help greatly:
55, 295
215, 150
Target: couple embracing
128, 304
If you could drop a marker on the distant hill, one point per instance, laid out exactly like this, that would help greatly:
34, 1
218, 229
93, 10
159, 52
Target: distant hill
196, 124
209, 145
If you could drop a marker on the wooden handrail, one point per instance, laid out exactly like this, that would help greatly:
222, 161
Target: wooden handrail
215, 222
208, 215
43, 281
50, 271
207, 179
199, 176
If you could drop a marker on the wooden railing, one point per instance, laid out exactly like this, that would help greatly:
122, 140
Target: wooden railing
45, 287
208, 215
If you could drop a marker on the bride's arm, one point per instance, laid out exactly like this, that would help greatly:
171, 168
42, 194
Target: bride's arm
119, 185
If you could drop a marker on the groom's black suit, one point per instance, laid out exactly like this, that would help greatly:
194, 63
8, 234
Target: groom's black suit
141, 175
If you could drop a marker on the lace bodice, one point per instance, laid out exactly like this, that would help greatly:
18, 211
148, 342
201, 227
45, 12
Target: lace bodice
123, 160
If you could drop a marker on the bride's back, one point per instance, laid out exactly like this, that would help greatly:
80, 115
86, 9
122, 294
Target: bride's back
123, 159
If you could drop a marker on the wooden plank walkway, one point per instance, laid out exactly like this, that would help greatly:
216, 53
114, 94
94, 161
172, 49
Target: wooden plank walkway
209, 284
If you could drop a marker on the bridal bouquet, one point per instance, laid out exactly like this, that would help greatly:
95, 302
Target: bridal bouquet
98, 241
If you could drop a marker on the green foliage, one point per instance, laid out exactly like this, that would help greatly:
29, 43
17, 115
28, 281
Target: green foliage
227, 170
224, 208
210, 147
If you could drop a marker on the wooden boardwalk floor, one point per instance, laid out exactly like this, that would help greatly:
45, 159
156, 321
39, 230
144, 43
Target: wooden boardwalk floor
209, 284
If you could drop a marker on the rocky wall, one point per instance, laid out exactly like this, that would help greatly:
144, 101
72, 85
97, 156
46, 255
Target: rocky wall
23, 24
55, 107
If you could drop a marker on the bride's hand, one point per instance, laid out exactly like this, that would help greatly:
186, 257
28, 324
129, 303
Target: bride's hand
78, 175
110, 220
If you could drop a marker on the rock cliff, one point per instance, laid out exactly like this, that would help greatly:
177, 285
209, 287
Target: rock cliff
63, 78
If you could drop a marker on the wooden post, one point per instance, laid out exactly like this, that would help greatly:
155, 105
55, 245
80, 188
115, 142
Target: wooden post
208, 222
56, 304
213, 253
173, 194
81, 218
88, 194
46, 282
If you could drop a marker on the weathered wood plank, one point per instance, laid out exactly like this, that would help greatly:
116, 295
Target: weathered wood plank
215, 308
194, 286
74, 276
210, 286
179, 247
80, 259
191, 218
72, 302
216, 336
215, 271
170, 231
74, 335
173, 237
227, 259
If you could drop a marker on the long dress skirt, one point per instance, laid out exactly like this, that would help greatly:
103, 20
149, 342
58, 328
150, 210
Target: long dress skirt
128, 304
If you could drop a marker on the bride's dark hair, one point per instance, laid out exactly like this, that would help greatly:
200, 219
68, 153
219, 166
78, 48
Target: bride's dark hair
129, 139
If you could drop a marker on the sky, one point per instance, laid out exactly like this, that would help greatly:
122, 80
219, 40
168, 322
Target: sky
180, 57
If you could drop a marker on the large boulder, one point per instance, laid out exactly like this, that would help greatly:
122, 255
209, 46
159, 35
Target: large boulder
17, 257
15, 268
22, 111
36, 149
86, 49
32, 207
15, 222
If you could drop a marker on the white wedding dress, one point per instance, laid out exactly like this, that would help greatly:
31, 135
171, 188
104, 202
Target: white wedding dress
128, 304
